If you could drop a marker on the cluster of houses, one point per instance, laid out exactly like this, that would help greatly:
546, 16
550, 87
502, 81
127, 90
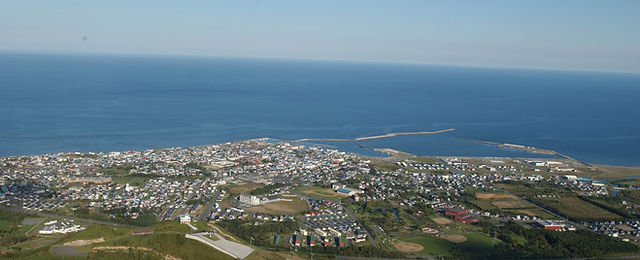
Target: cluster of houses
618, 229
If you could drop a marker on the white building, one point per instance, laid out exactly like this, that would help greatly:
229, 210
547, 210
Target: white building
249, 199
185, 219
61, 227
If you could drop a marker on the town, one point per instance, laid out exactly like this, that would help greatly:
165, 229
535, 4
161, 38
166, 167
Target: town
273, 194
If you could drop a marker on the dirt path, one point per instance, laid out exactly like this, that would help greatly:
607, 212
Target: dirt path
84, 242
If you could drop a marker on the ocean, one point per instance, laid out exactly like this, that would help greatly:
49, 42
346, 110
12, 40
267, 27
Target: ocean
65, 103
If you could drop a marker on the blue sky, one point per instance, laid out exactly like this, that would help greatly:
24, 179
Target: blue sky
559, 34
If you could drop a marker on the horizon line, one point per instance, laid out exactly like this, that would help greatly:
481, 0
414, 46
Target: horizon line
176, 55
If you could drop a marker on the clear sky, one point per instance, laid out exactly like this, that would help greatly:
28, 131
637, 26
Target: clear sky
601, 35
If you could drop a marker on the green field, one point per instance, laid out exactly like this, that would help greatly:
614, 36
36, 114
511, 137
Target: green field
131, 179
317, 192
172, 244
433, 246
577, 209
280, 207
477, 245
170, 227
242, 188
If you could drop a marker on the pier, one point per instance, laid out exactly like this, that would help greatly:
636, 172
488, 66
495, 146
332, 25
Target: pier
387, 135
530, 149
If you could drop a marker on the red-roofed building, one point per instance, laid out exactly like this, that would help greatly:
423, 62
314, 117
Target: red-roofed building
455, 211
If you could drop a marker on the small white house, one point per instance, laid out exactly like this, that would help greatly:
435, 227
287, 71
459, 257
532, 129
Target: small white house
185, 219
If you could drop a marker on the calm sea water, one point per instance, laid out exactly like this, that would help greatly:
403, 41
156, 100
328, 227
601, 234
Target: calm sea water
55, 103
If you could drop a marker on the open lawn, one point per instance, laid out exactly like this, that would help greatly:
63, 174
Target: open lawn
170, 244
612, 171
317, 192
170, 227
280, 207
511, 204
485, 196
532, 212
577, 209
431, 246
261, 254
625, 182
245, 188
476, 245
132, 180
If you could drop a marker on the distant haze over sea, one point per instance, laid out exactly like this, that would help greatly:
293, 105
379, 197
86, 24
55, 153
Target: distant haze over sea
66, 103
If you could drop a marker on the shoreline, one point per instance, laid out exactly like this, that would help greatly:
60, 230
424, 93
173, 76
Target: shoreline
391, 154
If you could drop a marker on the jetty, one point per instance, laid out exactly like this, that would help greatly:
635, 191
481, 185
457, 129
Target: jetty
530, 149
387, 135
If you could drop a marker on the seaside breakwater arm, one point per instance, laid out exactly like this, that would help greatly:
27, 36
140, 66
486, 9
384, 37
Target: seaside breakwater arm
530, 149
387, 135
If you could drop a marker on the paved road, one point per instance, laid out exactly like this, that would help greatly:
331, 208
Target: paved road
231, 248
48, 215
209, 207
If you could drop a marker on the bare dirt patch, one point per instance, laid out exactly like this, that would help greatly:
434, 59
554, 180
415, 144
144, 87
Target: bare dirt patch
84, 242
507, 204
441, 220
486, 196
528, 212
454, 238
407, 247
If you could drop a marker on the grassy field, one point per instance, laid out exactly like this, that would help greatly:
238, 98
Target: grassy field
280, 207
477, 245
172, 244
508, 204
576, 208
432, 246
317, 192
261, 254
611, 171
242, 188
132, 180
630, 182
170, 226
